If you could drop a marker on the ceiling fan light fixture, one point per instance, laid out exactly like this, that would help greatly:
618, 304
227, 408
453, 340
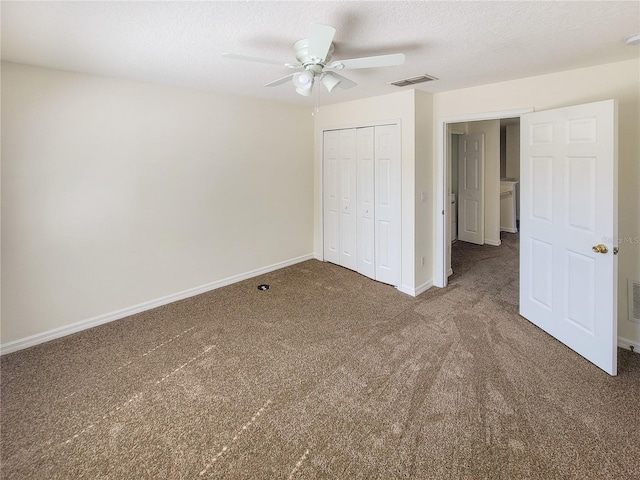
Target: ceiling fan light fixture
314, 55
305, 92
303, 80
330, 81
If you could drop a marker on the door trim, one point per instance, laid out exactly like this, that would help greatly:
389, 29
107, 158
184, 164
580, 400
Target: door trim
442, 194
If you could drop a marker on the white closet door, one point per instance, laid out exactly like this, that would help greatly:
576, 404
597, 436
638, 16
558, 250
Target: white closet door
348, 199
365, 232
331, 150
387, 204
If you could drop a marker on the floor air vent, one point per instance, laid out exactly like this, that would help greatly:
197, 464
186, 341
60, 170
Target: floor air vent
634, 301
413, 80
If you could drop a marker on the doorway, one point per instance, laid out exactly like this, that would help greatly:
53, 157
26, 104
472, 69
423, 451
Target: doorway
443, 226
483, 191
568, 159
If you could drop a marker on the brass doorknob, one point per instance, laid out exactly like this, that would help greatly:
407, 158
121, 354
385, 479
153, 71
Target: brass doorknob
600, 248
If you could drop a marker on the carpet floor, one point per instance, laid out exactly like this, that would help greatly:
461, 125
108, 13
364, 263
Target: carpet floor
326, 375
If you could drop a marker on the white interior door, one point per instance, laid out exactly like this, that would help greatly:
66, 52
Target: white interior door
568, 210
388, 245
365, 231
331, 200
471, 188
348, 198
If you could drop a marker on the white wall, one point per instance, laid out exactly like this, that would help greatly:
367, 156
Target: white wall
116, 193
620, 80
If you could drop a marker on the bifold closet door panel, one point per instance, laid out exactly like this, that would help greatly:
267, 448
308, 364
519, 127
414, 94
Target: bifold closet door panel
331, 187
365, 232
388, 206
348, 199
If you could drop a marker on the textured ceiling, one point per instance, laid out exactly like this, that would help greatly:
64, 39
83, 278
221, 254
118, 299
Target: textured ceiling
180, 43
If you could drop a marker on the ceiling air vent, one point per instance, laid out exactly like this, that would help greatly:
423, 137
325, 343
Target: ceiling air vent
413, 80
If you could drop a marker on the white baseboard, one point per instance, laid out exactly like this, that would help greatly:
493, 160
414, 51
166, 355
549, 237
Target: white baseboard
424, 287
414, 292
38, 338
407, 290
493, 243
450, 272
317, 256
509, 230
627, 344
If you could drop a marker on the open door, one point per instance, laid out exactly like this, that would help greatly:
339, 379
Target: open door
568, 211
471, 188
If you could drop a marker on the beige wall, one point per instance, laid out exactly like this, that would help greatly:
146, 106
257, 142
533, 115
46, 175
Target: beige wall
513, 159
620, 80
513, 151
424, 180
116, 193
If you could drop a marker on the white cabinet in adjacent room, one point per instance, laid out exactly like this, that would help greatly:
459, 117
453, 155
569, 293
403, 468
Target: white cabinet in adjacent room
508, 206
362, 200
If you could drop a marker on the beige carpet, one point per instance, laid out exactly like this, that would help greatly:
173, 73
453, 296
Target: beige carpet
325, 375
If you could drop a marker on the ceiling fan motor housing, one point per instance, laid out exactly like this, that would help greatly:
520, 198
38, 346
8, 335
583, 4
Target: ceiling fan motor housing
301, 48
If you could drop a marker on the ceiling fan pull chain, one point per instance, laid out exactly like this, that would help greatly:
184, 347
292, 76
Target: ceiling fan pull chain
316, 92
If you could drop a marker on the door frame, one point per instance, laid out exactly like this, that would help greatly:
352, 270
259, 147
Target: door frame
442, 194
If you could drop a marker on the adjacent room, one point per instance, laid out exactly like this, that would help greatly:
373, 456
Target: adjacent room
320, 240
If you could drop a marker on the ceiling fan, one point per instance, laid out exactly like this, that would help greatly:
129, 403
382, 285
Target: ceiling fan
314, 58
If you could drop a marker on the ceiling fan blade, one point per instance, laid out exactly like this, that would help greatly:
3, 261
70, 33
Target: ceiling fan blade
234, 56
370, 62
280, 81
320, 38
344, 81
